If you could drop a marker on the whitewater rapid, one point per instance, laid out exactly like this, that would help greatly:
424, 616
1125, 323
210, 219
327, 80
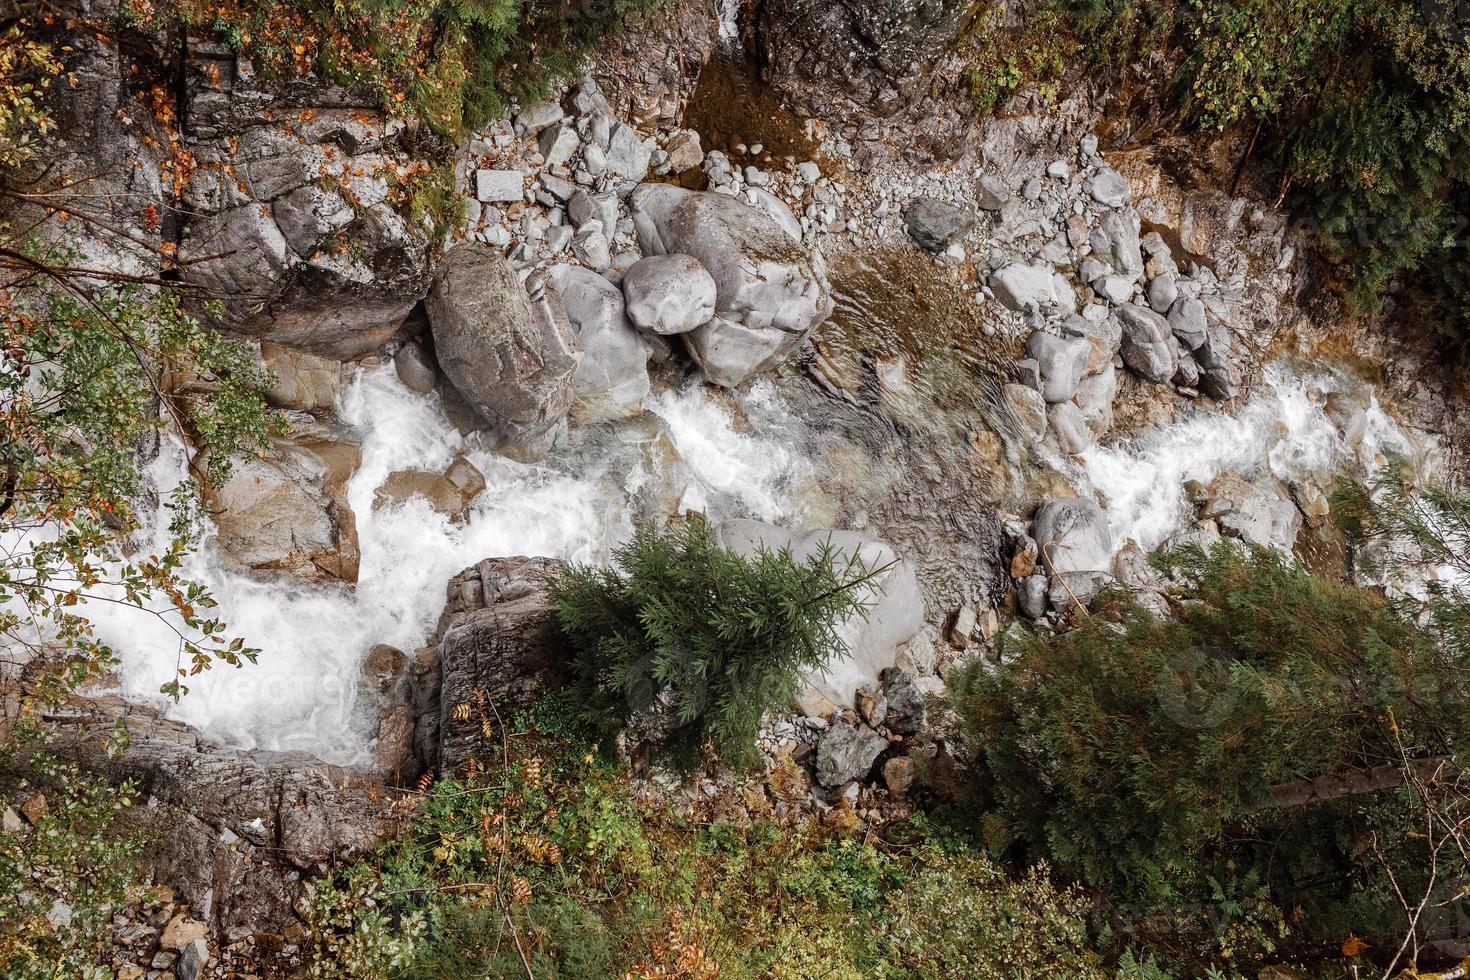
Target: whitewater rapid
1283, 428
304, 692
687, 452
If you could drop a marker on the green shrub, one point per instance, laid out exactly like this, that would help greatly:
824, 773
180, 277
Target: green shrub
1163, 760
699, 640
63, 878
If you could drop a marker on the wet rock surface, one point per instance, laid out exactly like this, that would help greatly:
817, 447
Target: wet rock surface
509, 351
288, 511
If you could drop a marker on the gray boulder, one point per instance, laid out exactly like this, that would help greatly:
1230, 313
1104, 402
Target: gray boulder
1259, 512
1162, 292
1116, 289
1148, 343
846, 752
234, 832
669, 294
1062, 362
1221, 382
268, 247
1023, 288
1072, 536
1031, 595
769, 293
583, 207
1071, 429
1188, 322
906, 703
991, 193
1115, 241
1108, 188
934, 224
1095, 394
612, 365
1188, 375
558, 142
511, 357
628, 154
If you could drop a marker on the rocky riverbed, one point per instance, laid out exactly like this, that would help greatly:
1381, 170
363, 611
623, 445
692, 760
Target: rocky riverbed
1011, 361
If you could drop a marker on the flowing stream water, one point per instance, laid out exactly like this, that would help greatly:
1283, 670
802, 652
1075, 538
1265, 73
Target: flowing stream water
1283, 428
304, 693
727, 454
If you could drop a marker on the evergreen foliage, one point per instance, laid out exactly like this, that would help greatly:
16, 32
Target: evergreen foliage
701, 639
1179, 763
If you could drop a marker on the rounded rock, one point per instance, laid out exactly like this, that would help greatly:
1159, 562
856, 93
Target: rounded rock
669, 294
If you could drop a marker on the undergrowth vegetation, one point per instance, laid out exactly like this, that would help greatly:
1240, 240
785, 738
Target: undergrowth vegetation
64, 870
1359, 107
1270, 769
547, 864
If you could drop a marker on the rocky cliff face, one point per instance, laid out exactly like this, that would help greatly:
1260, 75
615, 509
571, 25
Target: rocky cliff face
234, 832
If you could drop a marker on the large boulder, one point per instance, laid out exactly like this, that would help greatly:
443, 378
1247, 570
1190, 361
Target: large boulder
669, 294
1187, 320
1074, 546
1027, 288
287, 510
612, 365
1148, 343
495, 649
769, 293
934, 224
512, 358
846, 752
895, 613
1115, 242
1257, 511
235, 833
1061, 361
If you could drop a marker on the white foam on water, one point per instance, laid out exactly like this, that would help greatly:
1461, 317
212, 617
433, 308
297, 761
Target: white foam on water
1282, 426
304, 692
